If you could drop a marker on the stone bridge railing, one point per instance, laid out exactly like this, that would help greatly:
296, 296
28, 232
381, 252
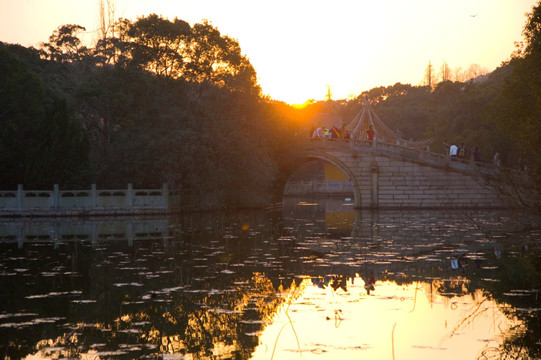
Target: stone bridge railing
406, 153
92, 201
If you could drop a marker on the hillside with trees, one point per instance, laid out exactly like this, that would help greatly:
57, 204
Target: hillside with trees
158, 100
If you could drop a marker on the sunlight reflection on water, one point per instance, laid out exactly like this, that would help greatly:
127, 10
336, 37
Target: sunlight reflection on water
394, 321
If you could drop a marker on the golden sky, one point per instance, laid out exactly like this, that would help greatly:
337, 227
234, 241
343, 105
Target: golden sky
300, 47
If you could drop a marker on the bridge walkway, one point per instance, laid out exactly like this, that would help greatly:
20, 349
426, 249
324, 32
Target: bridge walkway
422, 157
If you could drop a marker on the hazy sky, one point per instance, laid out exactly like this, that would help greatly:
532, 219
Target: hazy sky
299, 47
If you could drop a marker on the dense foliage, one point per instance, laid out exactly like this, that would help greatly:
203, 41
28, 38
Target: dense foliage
159, 101
456, 112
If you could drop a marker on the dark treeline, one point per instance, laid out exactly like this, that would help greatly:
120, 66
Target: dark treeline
456, 112
159, 101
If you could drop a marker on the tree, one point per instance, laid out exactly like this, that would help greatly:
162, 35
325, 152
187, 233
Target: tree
532, 32
154, 101
218, 59
517, 109
105, 50
59, 151
21, 104
175, 50
445, 72
157, 45
519, 103
108, 102
430, 78
402, 107
40, 142
64, 45
107, 10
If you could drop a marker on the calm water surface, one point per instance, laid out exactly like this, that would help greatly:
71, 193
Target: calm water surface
313, 280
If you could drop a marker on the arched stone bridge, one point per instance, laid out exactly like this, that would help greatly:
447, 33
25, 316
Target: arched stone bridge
391, 176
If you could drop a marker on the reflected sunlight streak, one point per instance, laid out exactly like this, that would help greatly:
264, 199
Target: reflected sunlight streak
403, 320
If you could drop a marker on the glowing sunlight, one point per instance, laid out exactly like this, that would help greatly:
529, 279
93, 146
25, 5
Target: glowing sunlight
394, 321
299, 48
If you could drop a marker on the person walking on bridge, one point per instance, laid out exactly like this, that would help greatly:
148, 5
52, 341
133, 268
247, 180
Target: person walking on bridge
370, 134
318, 134
453, 150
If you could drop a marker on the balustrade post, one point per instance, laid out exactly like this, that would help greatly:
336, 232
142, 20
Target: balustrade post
20, 194
93, 196
129, 197
56, 197
374, 185
165, 196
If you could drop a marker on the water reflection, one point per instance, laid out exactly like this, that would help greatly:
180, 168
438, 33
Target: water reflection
409, 321
317, 279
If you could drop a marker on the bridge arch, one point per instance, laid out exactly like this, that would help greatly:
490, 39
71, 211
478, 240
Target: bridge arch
322, 155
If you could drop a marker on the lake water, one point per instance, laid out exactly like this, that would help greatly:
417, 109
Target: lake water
312, 280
